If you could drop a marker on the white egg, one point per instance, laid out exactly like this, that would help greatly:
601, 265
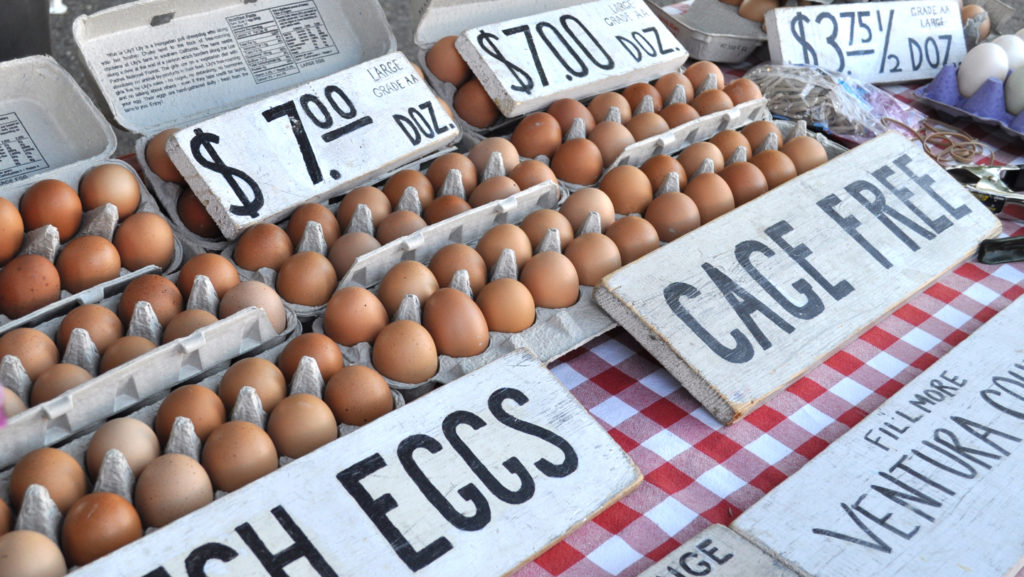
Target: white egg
984, 61
1014, 47
1013, 91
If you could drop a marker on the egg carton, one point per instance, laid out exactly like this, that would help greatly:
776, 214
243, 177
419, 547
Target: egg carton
987, 106
711, 29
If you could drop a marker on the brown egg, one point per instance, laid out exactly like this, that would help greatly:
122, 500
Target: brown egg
237, 453
568, 109
133, 438
594, 255
158, 291
354, 315
350, 246
158, 159
144, 238
805, 152
728, 141
500, 237
678, 114
711, 101
481, 152
97, 524
537, 223
602, 104
698, 72
102, 324
55, 470
472, 103
193, 215
537, 134
406, 277
742, 90
256, 372
358, 395
439, 168
456, 323
185, 323
756, 9
53, 202
123, 350
263, 245
405, 352
253, 293
444, 207
776, 166
56, 380
170, 487
30, 554
307, 278
87, 261
12, 230
494, 188
578, 206
110, 183
666, 84
507, 305
301, 423
634, 236
611, 139
628, 188
445, 62
658, 167
12, 403
635, 93
694, 155
27, 283
969, 11
398, 182
552, 280
711, 194
757, 131
531, 172
454, 257
199, 404
578, 161
6, 519
219, 270
398, 224
36, 351
374, 199
646, 125
320, 347
673, 214
313, 211
746, 181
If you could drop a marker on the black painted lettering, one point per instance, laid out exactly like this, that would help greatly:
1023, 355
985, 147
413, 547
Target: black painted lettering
909, 494
512, 464
897, 429
967, 471
706, 547
850, 224
800, 254
984, 432
940, 386
875, 541
948, 439
989, 397
877, 441
921, 402
1014, 380
481, 510
693, 564
886, 214
741, 352
195, 563
657, 40
745, 305
911, 419
937, 225
902, 465
812, 306
438, 129
953, 379
883, 520
935, 395
925, 182
158, 572
301, 547
377, 510
408, 128
571, 460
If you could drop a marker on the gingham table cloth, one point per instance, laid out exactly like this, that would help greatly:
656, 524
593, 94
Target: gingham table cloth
697, 471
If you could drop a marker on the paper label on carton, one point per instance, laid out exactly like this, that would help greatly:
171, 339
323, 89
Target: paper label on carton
747, 303
575, 52
873, 42
19, 155
260, 161
474, 479
927, 484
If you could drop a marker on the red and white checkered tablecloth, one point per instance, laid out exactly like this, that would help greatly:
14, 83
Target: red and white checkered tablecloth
697, 471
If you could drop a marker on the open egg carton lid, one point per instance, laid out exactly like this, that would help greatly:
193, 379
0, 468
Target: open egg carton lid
711, 29
987, 106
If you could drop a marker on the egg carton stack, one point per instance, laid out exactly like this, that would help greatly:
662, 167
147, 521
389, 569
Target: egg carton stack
716, 30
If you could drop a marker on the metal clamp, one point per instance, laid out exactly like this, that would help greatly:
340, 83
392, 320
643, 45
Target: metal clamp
994, 186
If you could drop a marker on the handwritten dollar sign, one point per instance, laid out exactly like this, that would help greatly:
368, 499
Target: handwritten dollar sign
486, 40
204, 141
797, 27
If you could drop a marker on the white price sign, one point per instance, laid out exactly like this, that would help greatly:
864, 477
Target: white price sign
874, 42
574, 52
260, 161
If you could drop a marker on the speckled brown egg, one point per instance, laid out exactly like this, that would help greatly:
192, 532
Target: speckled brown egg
354, 315
143, 239
237, 453
57, 380
673, 214
87, 261
316, 212
102, 324
537, 134
170, 487
318, 346
30, 554
263, 245
27, 283
220, 271
34, 348
199, 404
494, 188
358, 395
54, 202
158, 291
306, 278
55, 470
12, 230
405, 352
123, 350
97, 524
